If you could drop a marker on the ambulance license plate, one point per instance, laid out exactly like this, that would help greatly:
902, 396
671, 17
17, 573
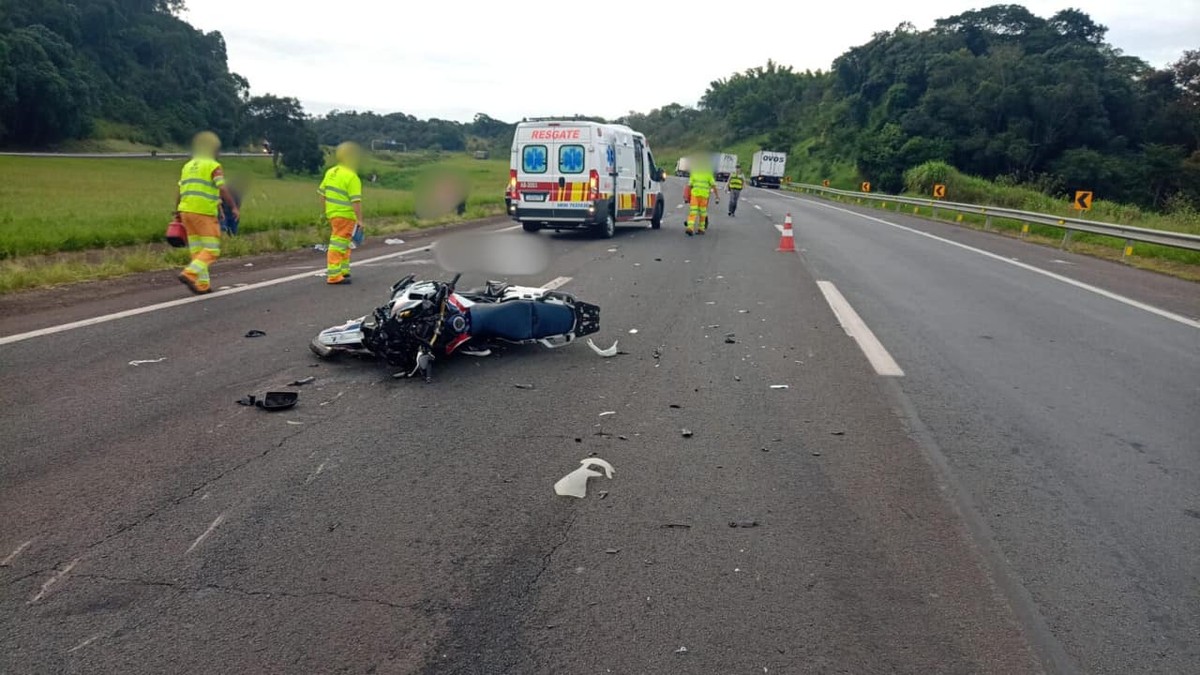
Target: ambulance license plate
535, 197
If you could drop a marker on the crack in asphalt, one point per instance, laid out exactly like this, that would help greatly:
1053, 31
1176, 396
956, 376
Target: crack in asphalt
161, 509
566, 535
233, 590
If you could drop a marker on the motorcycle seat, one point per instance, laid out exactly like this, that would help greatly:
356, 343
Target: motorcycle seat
519, 320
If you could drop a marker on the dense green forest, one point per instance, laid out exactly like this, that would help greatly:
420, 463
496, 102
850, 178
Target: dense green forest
997, 92
483, 133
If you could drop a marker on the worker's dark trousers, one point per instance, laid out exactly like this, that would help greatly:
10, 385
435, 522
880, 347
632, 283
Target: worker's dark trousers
733, 200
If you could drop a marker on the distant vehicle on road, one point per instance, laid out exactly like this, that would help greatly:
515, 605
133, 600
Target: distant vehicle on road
724, 164
571, 174
683, 168
767, 168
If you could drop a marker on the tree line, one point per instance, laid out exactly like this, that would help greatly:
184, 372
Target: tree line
998, 92
134, 70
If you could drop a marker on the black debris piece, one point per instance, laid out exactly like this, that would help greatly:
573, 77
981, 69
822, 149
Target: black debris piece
743, 523
255, 333
523, 386
686, 433
675, 526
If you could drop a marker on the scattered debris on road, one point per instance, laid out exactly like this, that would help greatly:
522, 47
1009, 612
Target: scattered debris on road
248, 265
606, 353
686, 433
523, 386
816, 453
271, 401
320, 248
143, 361
603, 494
255, 333
393, 242
303, 381
743, 523
730, 339
613, 551
837, 433
781, 386
681, 650
633, 331
606, 413
574, 484
675, 526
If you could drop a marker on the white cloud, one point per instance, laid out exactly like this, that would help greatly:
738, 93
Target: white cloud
541, 57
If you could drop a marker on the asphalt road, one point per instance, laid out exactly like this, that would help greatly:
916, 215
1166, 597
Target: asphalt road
1024, 497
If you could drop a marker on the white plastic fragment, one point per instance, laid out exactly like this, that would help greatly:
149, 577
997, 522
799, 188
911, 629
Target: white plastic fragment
606, 353
140, 362
574, 484
681, 650
393, 242
633, 331
781, 386
606, 413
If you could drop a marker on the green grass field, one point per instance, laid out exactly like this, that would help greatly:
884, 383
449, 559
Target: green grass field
70, 220
56, 205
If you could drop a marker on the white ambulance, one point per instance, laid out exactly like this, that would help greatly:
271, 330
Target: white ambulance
572, 174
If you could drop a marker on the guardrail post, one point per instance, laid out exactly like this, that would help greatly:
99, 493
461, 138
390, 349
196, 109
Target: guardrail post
987, 221
934, 212
1066, 240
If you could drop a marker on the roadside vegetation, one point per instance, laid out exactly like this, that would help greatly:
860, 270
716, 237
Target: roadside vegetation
68, 220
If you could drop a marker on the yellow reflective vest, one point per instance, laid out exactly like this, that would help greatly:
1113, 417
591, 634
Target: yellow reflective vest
341, 188
702, 182
736, 182
200, 185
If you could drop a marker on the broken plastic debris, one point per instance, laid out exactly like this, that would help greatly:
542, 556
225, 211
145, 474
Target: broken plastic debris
272, 400
393, 242
248, 265
303, 381
781, 386
686, 433
743, 523
606, 413
633, 331
523, 386
606, 353
141, 361
574, 484
255, 333
681, 650
320, 248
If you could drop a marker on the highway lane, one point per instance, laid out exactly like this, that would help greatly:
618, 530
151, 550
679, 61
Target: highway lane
151, 525
1069, 419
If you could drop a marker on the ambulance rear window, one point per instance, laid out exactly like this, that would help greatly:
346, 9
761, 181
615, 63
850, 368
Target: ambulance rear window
570, 158
533, 159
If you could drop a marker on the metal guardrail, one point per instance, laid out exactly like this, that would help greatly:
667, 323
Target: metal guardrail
1127, 232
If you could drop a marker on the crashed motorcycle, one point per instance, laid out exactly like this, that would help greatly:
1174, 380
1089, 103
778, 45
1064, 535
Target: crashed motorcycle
429, 320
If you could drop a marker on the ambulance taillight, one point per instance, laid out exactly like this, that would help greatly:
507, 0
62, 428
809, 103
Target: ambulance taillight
593, 186
512, 184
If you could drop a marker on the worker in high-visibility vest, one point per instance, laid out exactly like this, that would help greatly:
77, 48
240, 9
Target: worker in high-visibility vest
341, 198
701, 185
736, 182
201, 192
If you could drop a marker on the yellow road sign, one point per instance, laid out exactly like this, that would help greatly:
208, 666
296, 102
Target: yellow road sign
825, 183
866, 187
939, 191
1083, 201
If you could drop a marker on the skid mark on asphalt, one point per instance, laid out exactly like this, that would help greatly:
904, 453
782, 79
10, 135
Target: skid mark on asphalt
16, 552
1016, 263
855, 327
207, 533
83, 323
54, 579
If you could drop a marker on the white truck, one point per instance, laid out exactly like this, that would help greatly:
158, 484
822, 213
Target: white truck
767, 168
683, 167
724, 164
574, 174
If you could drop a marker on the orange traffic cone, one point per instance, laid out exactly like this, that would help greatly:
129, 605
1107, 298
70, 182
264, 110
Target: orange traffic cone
787, 240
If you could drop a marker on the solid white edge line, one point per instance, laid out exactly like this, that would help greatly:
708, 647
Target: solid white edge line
83, 323
855, 327
1178, 318
557, 283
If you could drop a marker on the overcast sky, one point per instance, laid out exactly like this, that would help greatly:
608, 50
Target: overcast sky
512, 59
